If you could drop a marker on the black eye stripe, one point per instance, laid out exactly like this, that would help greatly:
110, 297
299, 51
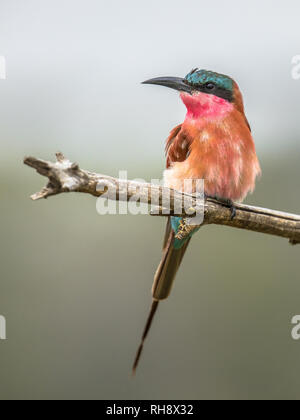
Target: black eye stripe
212, 89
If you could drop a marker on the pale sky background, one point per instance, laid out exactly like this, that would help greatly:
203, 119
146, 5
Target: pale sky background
75, 286
74, 69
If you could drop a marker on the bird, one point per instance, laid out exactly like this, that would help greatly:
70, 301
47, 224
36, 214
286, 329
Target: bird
214, 143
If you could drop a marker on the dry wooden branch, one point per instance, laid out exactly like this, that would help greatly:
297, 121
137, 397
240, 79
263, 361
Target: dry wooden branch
65, 176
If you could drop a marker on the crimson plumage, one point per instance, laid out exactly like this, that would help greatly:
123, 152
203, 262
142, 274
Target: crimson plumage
214, 143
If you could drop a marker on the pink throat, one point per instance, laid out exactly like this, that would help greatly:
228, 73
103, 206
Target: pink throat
203, 105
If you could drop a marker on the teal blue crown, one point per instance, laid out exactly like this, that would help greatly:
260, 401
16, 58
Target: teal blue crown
201, 77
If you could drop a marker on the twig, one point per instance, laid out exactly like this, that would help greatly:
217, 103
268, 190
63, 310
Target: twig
65, 176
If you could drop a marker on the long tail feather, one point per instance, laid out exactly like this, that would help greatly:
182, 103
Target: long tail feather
167, 269
163, 281
153, 309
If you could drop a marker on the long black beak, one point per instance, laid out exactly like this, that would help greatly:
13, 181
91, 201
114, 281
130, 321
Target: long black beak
176, 83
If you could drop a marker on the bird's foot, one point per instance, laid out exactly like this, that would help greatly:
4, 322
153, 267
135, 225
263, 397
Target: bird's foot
228, 203
233, 211
185, 229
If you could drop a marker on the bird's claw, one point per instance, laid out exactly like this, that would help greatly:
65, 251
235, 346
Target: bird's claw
184, 230
228, 203
233, 212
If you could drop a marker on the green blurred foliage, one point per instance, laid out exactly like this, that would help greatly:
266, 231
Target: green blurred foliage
75, 290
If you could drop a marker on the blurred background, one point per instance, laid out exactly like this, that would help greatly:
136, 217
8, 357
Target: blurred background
75, 286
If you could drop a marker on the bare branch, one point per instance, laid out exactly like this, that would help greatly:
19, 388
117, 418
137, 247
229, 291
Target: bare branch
65, 176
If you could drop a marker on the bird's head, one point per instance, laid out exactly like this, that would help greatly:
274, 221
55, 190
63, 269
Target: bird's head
204, 93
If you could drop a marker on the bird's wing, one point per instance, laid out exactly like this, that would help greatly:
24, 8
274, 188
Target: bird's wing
177, 146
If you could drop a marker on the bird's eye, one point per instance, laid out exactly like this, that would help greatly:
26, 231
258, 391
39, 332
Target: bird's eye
210, 86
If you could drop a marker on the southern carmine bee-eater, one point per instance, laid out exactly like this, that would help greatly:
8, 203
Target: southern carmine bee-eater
213, 143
